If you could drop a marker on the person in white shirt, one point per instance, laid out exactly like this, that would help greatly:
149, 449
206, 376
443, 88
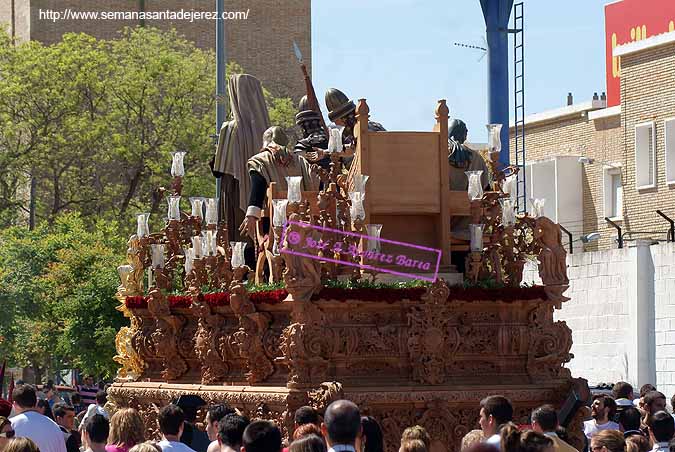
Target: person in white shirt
495, 412
171, 419
95, 433
602, 410
661, 431
261, 436
28, 423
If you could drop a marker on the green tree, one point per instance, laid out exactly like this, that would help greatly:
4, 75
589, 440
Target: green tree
58, 284
94, 122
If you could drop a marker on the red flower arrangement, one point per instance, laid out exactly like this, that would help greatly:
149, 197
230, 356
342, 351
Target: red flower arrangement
388, 295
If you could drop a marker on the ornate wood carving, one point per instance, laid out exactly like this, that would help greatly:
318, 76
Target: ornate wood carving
165, 338
250, 336
210, 331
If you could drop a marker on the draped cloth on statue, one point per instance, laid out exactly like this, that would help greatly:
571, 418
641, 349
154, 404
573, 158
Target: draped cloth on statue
239, 139
265, 164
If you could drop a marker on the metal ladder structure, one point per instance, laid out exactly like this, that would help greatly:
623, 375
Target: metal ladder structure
519, 103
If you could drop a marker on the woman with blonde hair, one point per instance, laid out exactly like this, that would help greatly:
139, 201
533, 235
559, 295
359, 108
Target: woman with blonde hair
413, 445
126, 430
608, 441
637, 443
148, 446
21, 445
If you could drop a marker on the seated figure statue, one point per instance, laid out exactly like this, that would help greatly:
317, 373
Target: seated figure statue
462, 159
273, 164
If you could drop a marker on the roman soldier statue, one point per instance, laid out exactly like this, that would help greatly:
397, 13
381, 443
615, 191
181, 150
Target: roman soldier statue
342, 112
314, 140
273, 164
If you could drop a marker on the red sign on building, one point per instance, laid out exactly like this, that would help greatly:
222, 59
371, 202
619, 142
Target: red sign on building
632, 20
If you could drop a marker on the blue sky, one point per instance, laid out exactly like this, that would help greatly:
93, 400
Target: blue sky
399, 55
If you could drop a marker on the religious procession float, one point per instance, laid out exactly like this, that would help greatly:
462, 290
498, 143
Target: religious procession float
324, 311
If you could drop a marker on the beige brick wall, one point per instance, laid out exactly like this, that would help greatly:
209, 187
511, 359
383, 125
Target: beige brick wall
648, 94
578, 136
262, 44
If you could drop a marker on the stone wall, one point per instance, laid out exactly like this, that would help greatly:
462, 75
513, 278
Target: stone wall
622, 314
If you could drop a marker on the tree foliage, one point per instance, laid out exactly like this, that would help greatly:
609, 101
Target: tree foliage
57, 287
94, 123
87, 128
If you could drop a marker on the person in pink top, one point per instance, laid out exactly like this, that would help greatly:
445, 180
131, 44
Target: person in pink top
126, 430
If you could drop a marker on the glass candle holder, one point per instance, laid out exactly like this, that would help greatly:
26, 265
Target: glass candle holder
197, 207
476, 234
211, 211
197, 246
508, 213
538, 207
294, 188
142, 229
157, 254
356, 210
475, 189
209, 242
189, 260
124, 271
510, 186
177, 168
335, 139
374, 231
360, 184
494, 138
279, 212
238, 259
174, 208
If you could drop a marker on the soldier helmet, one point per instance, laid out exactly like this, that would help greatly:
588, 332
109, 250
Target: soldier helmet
303, 104
338, 104
275, 134
305, 113
457, 129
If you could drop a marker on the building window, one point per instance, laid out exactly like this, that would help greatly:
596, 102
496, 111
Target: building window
669, 126
613, 192
645, 156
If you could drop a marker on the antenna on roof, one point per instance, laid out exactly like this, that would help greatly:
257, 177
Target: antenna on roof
474, 47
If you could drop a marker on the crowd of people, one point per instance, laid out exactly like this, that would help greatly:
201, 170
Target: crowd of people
618, 423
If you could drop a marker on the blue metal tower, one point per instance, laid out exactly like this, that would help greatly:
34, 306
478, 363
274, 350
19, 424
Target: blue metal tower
497, 13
